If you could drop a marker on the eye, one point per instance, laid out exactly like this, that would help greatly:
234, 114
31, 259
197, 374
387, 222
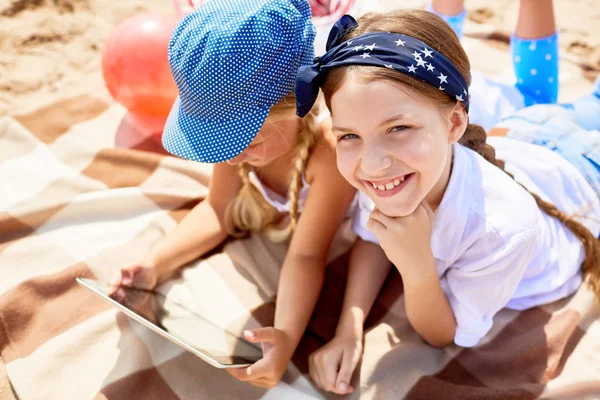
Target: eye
400, 128
347, 136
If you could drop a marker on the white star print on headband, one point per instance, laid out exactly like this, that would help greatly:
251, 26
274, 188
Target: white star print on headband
401, 53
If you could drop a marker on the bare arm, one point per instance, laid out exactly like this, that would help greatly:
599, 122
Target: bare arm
367, 271
303, 270
203, 228
407, 243
427, 307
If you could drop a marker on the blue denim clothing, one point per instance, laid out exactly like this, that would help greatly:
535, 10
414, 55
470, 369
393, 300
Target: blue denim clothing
572, 130
585, 110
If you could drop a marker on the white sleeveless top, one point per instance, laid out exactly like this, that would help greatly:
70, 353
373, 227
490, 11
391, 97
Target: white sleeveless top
281, 203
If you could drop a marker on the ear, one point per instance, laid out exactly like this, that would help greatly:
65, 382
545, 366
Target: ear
458, 120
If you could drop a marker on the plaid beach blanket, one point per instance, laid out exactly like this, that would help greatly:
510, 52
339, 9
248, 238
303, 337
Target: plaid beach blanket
72, 205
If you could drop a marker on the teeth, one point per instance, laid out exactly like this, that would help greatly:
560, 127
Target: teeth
389, 185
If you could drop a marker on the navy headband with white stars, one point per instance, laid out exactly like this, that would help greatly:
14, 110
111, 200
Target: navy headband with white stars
395, 51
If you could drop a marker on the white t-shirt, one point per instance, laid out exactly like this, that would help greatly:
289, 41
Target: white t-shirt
493, 246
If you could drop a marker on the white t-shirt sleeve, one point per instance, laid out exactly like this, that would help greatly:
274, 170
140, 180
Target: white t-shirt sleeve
361, 217
482, 281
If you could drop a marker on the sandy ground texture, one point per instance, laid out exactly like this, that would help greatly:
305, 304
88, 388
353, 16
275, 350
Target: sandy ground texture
51, 49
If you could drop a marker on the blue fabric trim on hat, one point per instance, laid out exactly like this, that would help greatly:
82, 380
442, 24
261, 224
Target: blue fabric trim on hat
398, 52
203, 140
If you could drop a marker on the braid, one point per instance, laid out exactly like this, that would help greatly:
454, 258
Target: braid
248, 211
305, 142
475, 139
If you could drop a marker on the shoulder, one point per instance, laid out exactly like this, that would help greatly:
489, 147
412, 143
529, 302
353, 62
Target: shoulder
322, 158
496, 212
224, 184
499, 200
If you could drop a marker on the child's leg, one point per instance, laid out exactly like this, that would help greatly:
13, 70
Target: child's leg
535, 52
451, 11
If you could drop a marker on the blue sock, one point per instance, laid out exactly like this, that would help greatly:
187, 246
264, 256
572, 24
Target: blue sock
536, 66
456, 22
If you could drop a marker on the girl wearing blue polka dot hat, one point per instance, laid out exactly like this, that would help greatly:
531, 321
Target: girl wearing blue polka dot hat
235, 63
472, 224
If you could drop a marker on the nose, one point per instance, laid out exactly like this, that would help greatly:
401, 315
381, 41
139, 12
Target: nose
240, 158
375, 159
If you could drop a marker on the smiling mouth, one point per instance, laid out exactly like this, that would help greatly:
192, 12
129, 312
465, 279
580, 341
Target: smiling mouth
391, 186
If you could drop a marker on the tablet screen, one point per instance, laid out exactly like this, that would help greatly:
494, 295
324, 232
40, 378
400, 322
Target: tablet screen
181, 323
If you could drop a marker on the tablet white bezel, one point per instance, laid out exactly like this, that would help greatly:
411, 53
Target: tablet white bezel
204, 356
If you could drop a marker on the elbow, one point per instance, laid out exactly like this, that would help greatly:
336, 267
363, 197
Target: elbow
440, 343
441, 338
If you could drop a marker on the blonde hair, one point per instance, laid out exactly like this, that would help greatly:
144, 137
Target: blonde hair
249, 211
433, 31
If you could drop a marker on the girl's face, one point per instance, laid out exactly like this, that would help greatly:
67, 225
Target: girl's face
275, 139
392, 144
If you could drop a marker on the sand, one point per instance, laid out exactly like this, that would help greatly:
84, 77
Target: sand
52, 49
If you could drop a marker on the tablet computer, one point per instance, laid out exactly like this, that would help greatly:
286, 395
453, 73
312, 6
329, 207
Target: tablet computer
168, 318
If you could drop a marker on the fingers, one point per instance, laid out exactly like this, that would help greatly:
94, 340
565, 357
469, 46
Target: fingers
127, 274
323, 368
256, 371
347, 366
116, 279
114, 283
256, 374
244, 375
119, 294
261, 335
427, 209
263, 383
124, 276
239, 373
317, 369
314, 370
377, 229
330, 369
380, 220
377, 215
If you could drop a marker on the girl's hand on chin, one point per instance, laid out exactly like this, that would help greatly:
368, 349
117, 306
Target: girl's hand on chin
405, 240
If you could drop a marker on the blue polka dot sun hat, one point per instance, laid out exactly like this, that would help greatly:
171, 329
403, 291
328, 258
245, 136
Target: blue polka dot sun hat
232, 61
